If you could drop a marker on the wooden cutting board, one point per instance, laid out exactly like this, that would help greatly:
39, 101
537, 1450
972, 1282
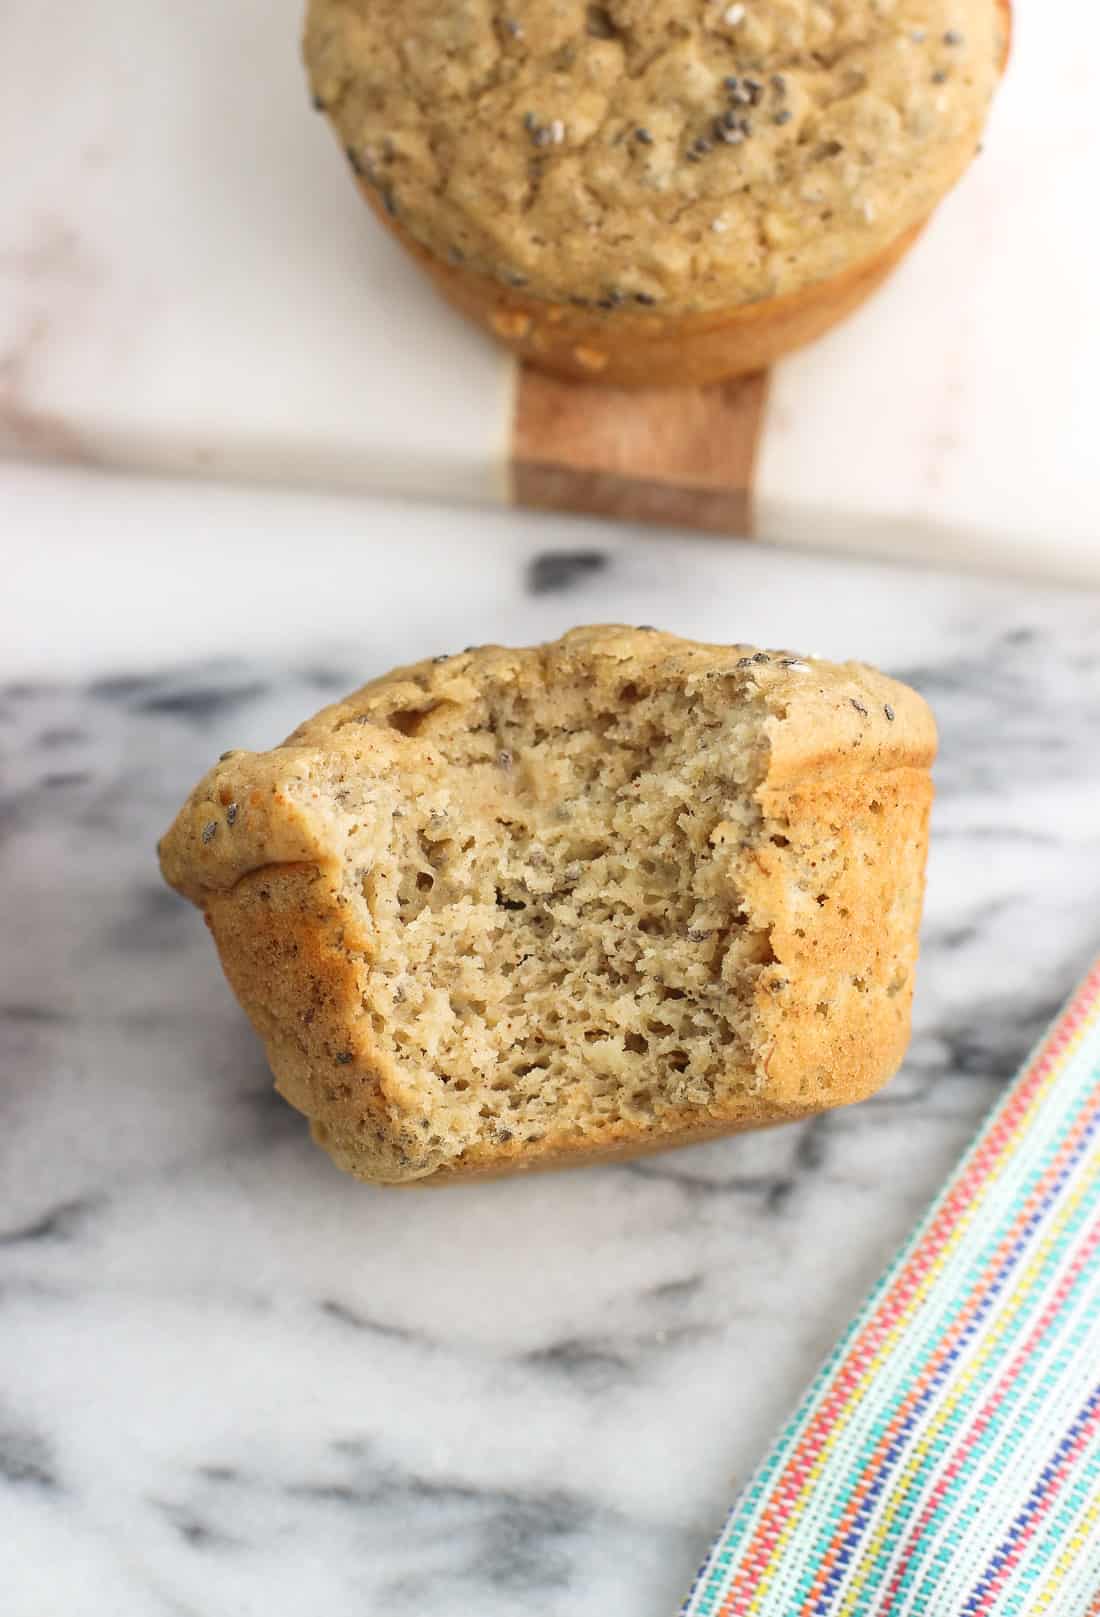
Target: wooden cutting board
249, 321
684, 457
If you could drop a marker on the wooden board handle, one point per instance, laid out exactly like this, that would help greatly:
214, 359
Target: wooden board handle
678, 456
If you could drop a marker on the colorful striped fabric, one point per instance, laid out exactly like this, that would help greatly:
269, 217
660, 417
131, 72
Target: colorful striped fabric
946, 1462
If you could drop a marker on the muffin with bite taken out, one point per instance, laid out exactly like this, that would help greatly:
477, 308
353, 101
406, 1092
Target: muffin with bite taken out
522, 908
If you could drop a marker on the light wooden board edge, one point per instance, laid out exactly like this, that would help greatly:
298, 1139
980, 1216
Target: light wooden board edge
677, 457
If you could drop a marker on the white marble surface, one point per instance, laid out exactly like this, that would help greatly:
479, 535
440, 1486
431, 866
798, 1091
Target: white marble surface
189, 283
955, 420
235, 1384
971, 384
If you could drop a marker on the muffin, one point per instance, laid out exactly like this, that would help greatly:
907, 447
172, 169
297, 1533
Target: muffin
513, 909
656, 191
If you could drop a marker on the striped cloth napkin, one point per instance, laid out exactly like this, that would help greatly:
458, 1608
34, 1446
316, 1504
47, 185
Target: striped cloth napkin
946, 1461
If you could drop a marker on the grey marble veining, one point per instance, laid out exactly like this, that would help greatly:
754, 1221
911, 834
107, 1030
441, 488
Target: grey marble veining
233, 1382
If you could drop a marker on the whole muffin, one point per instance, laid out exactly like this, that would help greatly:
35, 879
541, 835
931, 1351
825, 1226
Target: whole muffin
512, 909
656, 191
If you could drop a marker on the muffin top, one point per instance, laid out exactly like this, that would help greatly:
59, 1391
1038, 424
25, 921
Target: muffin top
255, 809
686, 154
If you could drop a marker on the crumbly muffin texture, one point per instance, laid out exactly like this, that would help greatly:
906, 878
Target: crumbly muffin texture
509, 908
685, 154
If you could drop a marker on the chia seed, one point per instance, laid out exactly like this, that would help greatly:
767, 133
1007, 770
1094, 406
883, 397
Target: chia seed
888, 710
600, 23
953, 37
643, 137
859, 707
210, 831
644, 297
940, 76
231, 814
444, 657
761, 657
318, 103
232, 753
779, 84
345, 1058
784, 116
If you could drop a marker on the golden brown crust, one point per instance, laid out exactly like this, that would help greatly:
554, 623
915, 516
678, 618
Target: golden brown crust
1007, 25
640, 349
846, 794
595, 257
292, 956
837, 1003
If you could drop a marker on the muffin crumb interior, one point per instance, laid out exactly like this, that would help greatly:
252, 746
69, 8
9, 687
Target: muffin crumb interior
559, 931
